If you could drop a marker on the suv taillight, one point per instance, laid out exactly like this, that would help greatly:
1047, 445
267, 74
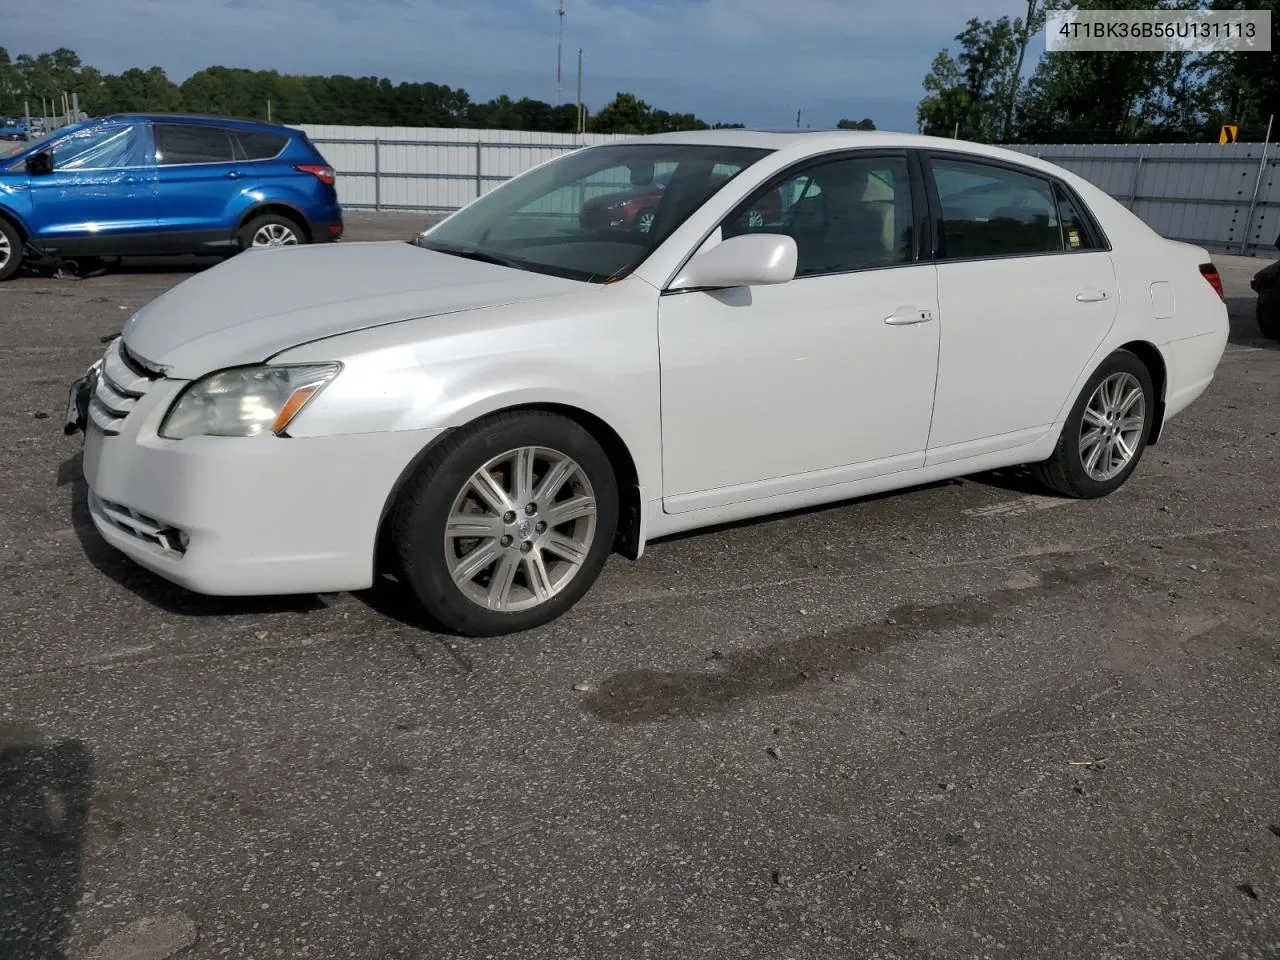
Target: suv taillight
321, 173
1210, 273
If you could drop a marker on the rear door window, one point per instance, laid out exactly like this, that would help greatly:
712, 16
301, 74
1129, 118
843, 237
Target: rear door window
991, 211
178, 144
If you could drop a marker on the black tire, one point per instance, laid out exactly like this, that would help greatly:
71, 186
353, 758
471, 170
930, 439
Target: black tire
1268, 313
245, 235
13, 240
419, 518
1064, 472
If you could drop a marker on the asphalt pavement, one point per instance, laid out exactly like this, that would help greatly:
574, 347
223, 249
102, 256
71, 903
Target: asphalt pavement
967, 720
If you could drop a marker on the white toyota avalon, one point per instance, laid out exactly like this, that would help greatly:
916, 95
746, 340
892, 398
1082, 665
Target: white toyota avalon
631, 340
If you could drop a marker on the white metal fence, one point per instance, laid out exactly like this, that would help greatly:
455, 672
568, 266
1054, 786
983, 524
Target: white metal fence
1225, 198
430, 168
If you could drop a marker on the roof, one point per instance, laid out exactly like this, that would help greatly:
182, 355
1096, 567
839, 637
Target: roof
198, 118
803, 142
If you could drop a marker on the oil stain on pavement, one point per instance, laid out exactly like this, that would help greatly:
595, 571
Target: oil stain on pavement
643, 696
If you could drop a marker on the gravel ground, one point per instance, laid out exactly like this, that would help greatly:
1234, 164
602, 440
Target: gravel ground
966, 720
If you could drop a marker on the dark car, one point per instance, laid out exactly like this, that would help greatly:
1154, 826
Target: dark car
1266, 284
152, 184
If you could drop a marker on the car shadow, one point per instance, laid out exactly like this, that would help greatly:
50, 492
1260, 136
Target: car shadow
45, 793
1244, 324
154, 589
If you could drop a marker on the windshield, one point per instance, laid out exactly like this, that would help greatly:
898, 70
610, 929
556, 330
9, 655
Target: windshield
594, 214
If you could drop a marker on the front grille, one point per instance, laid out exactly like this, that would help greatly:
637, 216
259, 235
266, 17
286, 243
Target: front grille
123, 379
138, 525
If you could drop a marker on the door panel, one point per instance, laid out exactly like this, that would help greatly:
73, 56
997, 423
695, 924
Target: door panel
770, 390
200, 179
1015, 338
1026, 299
763, 389
101, 195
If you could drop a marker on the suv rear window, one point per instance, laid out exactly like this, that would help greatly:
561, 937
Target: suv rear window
188, 143
260, 146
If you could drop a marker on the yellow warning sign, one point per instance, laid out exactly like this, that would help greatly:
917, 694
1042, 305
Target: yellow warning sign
1228, 134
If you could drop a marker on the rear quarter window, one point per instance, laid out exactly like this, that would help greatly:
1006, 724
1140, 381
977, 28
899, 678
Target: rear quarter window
259, 145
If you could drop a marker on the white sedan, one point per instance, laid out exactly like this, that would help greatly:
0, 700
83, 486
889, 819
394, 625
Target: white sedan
746, 323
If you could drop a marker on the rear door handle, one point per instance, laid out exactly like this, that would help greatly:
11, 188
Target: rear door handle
904, 316
1092, 296
234, 174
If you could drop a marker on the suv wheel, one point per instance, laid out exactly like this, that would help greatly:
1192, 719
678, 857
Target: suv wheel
10, 250
270, 230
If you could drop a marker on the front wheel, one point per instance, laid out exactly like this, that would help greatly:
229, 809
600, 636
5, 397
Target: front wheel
10, 250
1105, 433
507, 524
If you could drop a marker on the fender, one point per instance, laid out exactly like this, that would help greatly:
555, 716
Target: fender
273, 201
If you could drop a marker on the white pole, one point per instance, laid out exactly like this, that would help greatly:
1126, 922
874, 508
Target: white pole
581, 126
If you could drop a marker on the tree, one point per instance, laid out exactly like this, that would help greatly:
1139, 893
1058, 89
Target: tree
625, 113
1104, 97
947, 106
1244, 88
866, 123
236, 92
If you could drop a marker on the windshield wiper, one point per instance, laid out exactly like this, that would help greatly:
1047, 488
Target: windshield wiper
472, 254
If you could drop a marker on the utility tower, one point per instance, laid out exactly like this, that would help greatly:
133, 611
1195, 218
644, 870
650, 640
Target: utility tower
559, 50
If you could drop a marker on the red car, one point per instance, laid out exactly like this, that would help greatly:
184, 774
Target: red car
634, 210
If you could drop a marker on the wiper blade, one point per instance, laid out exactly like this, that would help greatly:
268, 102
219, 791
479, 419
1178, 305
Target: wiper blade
470, 254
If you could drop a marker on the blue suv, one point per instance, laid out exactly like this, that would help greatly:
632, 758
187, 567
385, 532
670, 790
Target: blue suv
153, 185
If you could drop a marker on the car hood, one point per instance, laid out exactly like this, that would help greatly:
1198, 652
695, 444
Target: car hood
260, 302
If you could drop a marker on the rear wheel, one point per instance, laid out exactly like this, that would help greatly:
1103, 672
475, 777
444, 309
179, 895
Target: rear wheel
1105, 433
270, 230
10, 250
507, 524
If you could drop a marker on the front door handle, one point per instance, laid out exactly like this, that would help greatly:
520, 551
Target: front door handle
1092, 296
905, 316
234, 174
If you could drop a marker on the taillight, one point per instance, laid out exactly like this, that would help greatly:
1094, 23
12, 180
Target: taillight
1210, 273
321, 173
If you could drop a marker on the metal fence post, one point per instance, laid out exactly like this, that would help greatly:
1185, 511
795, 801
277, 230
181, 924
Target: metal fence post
377, 174
1137, 177
1253, 204
479, 162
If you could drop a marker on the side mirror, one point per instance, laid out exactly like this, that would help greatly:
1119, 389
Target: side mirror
744, 261
40, 163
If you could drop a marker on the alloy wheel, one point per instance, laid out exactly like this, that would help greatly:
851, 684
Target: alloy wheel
520, 529
1113, 426
274, 235
6, 251
645, 222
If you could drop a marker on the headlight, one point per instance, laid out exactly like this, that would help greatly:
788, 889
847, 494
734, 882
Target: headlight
245, 401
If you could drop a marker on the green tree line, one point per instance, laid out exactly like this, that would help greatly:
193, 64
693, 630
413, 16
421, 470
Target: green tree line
228, 91
979, 92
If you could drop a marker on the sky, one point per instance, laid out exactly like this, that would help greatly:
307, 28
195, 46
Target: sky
737, 61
